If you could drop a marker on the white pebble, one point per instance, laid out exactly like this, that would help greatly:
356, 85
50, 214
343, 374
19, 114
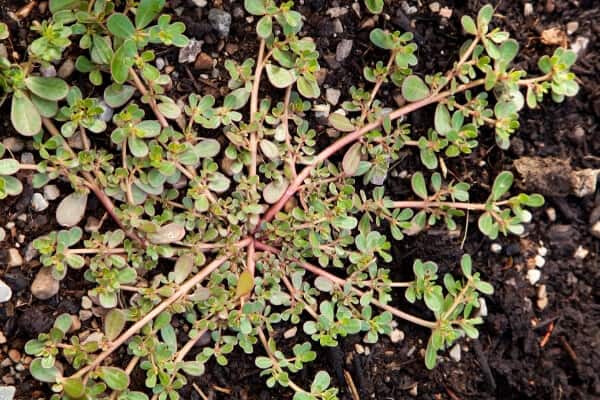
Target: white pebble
534, 275
483, 311
51, 192
455, 353
527, 9
290, 333
397, 336
539, 261
14, 258
5, 294
543, 251
38, 202
496, 248
581, 253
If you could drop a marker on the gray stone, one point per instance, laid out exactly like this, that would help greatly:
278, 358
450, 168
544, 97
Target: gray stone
220, 20
455, 353
333, 96
7, 392
343, 49
13, 144
189, 53
434, 7
14, 258
337, 26
2, 234
51, 192
596, 229
44, 285
200, 3
30, 252
3, 50
107, 112
27, 158
160, 63
66, 69
527, 9
580, 44
48, 71
38, 202
572, 27
5, 294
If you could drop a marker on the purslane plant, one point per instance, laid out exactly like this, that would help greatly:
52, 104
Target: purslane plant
255, 222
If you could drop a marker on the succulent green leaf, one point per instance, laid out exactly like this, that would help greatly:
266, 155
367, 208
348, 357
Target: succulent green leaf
341, 122
374, 6
9, 166
121, 26
49, 375
414, 89
264, 27
47, 88
351, 160
255, 7
114, 322
442, 119
418, 185
24, 116
192, 368
501, 185
73, 387
280, 77
381, 39
468, 25
146, 12
114, 377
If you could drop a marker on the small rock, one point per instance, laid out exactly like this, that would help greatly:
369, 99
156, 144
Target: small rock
542, 300
3, 51
414, 390
581, 253
333, 96
455, 353
27, 158
66, 69
408, 9
543, 251
84, 315
580, 44
189, 53
533, 276
539, 261
596, 229
396, 336
359, 348
76, 324
343, 49
576, 135
238, 12
2, 338
44, 285
14, 258
7, 392
572, 27
51, 192
336, 12
527, 9
38, 202
14, 355
30, 252
446, 12
5, 292
551, 213
160, 63
220, 20
13, 144
204, 62
337, 26
48, 71
200, 3
2, 234
86, 303
584, 181
435, 7
483, 310
496, 248
290, 333
107, 112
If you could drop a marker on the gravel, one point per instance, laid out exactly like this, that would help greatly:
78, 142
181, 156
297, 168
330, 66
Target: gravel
44, 286
51, 192
343, 49
220, 20
38, 202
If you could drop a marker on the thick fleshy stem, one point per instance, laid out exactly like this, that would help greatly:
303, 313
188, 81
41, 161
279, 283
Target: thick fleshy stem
341, 282
352, 137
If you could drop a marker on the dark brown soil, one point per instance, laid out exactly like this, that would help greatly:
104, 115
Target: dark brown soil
523, 352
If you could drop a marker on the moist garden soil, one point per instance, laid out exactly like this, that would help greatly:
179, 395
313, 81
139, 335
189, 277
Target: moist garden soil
526, 349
